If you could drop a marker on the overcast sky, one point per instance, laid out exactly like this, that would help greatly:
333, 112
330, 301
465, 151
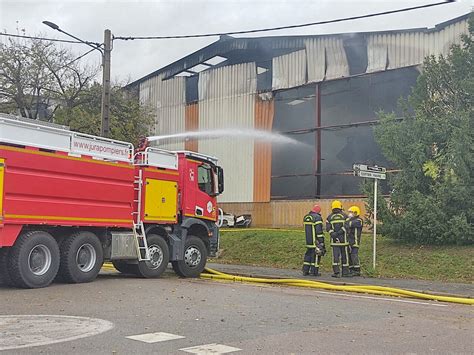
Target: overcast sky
133, 59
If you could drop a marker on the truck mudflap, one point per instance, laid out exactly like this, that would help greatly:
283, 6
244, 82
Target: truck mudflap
214, 241
176, 247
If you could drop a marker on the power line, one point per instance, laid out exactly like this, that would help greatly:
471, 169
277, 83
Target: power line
285, 27
46, 39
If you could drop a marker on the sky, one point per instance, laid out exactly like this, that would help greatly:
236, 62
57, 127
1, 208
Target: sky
132, 60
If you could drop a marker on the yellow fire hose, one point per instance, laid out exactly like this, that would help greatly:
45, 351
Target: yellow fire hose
367, 289
373, 290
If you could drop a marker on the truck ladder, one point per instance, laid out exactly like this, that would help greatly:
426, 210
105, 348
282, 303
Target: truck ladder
138, 227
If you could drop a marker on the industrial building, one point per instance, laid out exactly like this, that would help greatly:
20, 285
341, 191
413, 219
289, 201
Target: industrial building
322, 90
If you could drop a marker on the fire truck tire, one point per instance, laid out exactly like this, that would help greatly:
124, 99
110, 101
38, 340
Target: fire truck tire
124, 267
195, 258
33, 261
159, 258
5, 278
81, 257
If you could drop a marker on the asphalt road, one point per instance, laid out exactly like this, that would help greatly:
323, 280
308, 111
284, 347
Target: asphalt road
232, 316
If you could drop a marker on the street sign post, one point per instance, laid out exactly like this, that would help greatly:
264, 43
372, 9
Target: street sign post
376, 173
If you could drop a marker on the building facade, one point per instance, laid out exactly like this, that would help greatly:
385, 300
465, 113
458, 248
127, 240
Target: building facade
322, 91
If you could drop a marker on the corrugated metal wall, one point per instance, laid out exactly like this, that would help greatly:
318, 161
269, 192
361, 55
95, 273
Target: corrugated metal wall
192, 124
227, 97
316, 59
439, 42
227, 101
397, 50
289, 70
168, 98
326, 59
263, 151
280, 214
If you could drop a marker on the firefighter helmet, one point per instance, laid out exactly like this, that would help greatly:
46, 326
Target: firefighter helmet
355, 210
316, 209
336, 204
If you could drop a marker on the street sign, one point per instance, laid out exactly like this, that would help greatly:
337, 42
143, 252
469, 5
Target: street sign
376, 173
370, 175
363, 167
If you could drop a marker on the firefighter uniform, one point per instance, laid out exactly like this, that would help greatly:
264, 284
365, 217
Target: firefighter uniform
335, 225
354, 230
313, 227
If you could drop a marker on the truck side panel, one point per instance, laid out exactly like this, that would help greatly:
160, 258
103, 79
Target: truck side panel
56, 189
160, 195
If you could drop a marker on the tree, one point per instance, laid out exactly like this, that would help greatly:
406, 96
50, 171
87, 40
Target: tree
129, 120
432, 195
37, 77
40, 80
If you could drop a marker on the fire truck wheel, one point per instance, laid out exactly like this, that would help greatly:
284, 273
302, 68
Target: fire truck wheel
5, 278
195, 258
159, 257
81, 257
34, 260
124, 267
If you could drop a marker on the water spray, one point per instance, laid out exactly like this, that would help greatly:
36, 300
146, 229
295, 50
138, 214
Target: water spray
259, 135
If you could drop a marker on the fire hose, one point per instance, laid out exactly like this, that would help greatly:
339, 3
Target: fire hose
367, 289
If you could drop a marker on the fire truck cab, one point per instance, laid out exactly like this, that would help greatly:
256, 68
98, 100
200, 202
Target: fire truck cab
70, 201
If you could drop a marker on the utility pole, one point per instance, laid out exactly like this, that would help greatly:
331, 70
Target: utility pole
105, 53
105, 109
375, 225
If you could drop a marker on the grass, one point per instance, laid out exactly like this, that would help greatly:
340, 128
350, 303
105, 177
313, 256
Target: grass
285, 249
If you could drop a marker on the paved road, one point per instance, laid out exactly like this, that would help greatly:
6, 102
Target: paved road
254, 319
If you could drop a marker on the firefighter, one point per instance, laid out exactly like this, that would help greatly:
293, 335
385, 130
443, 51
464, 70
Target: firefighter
315, 249
354, 226
335, 225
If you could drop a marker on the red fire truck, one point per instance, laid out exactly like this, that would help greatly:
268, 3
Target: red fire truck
69, 201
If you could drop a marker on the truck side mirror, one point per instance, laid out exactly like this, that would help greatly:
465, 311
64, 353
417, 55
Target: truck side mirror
220, 180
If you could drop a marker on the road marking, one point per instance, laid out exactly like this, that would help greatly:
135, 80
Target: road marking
209, 349
24, 331
151, 338
384, 299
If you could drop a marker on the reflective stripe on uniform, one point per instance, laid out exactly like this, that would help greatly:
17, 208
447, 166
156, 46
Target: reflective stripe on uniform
311, 246
347, 257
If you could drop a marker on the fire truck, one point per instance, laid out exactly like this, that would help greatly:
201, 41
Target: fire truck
70, 201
